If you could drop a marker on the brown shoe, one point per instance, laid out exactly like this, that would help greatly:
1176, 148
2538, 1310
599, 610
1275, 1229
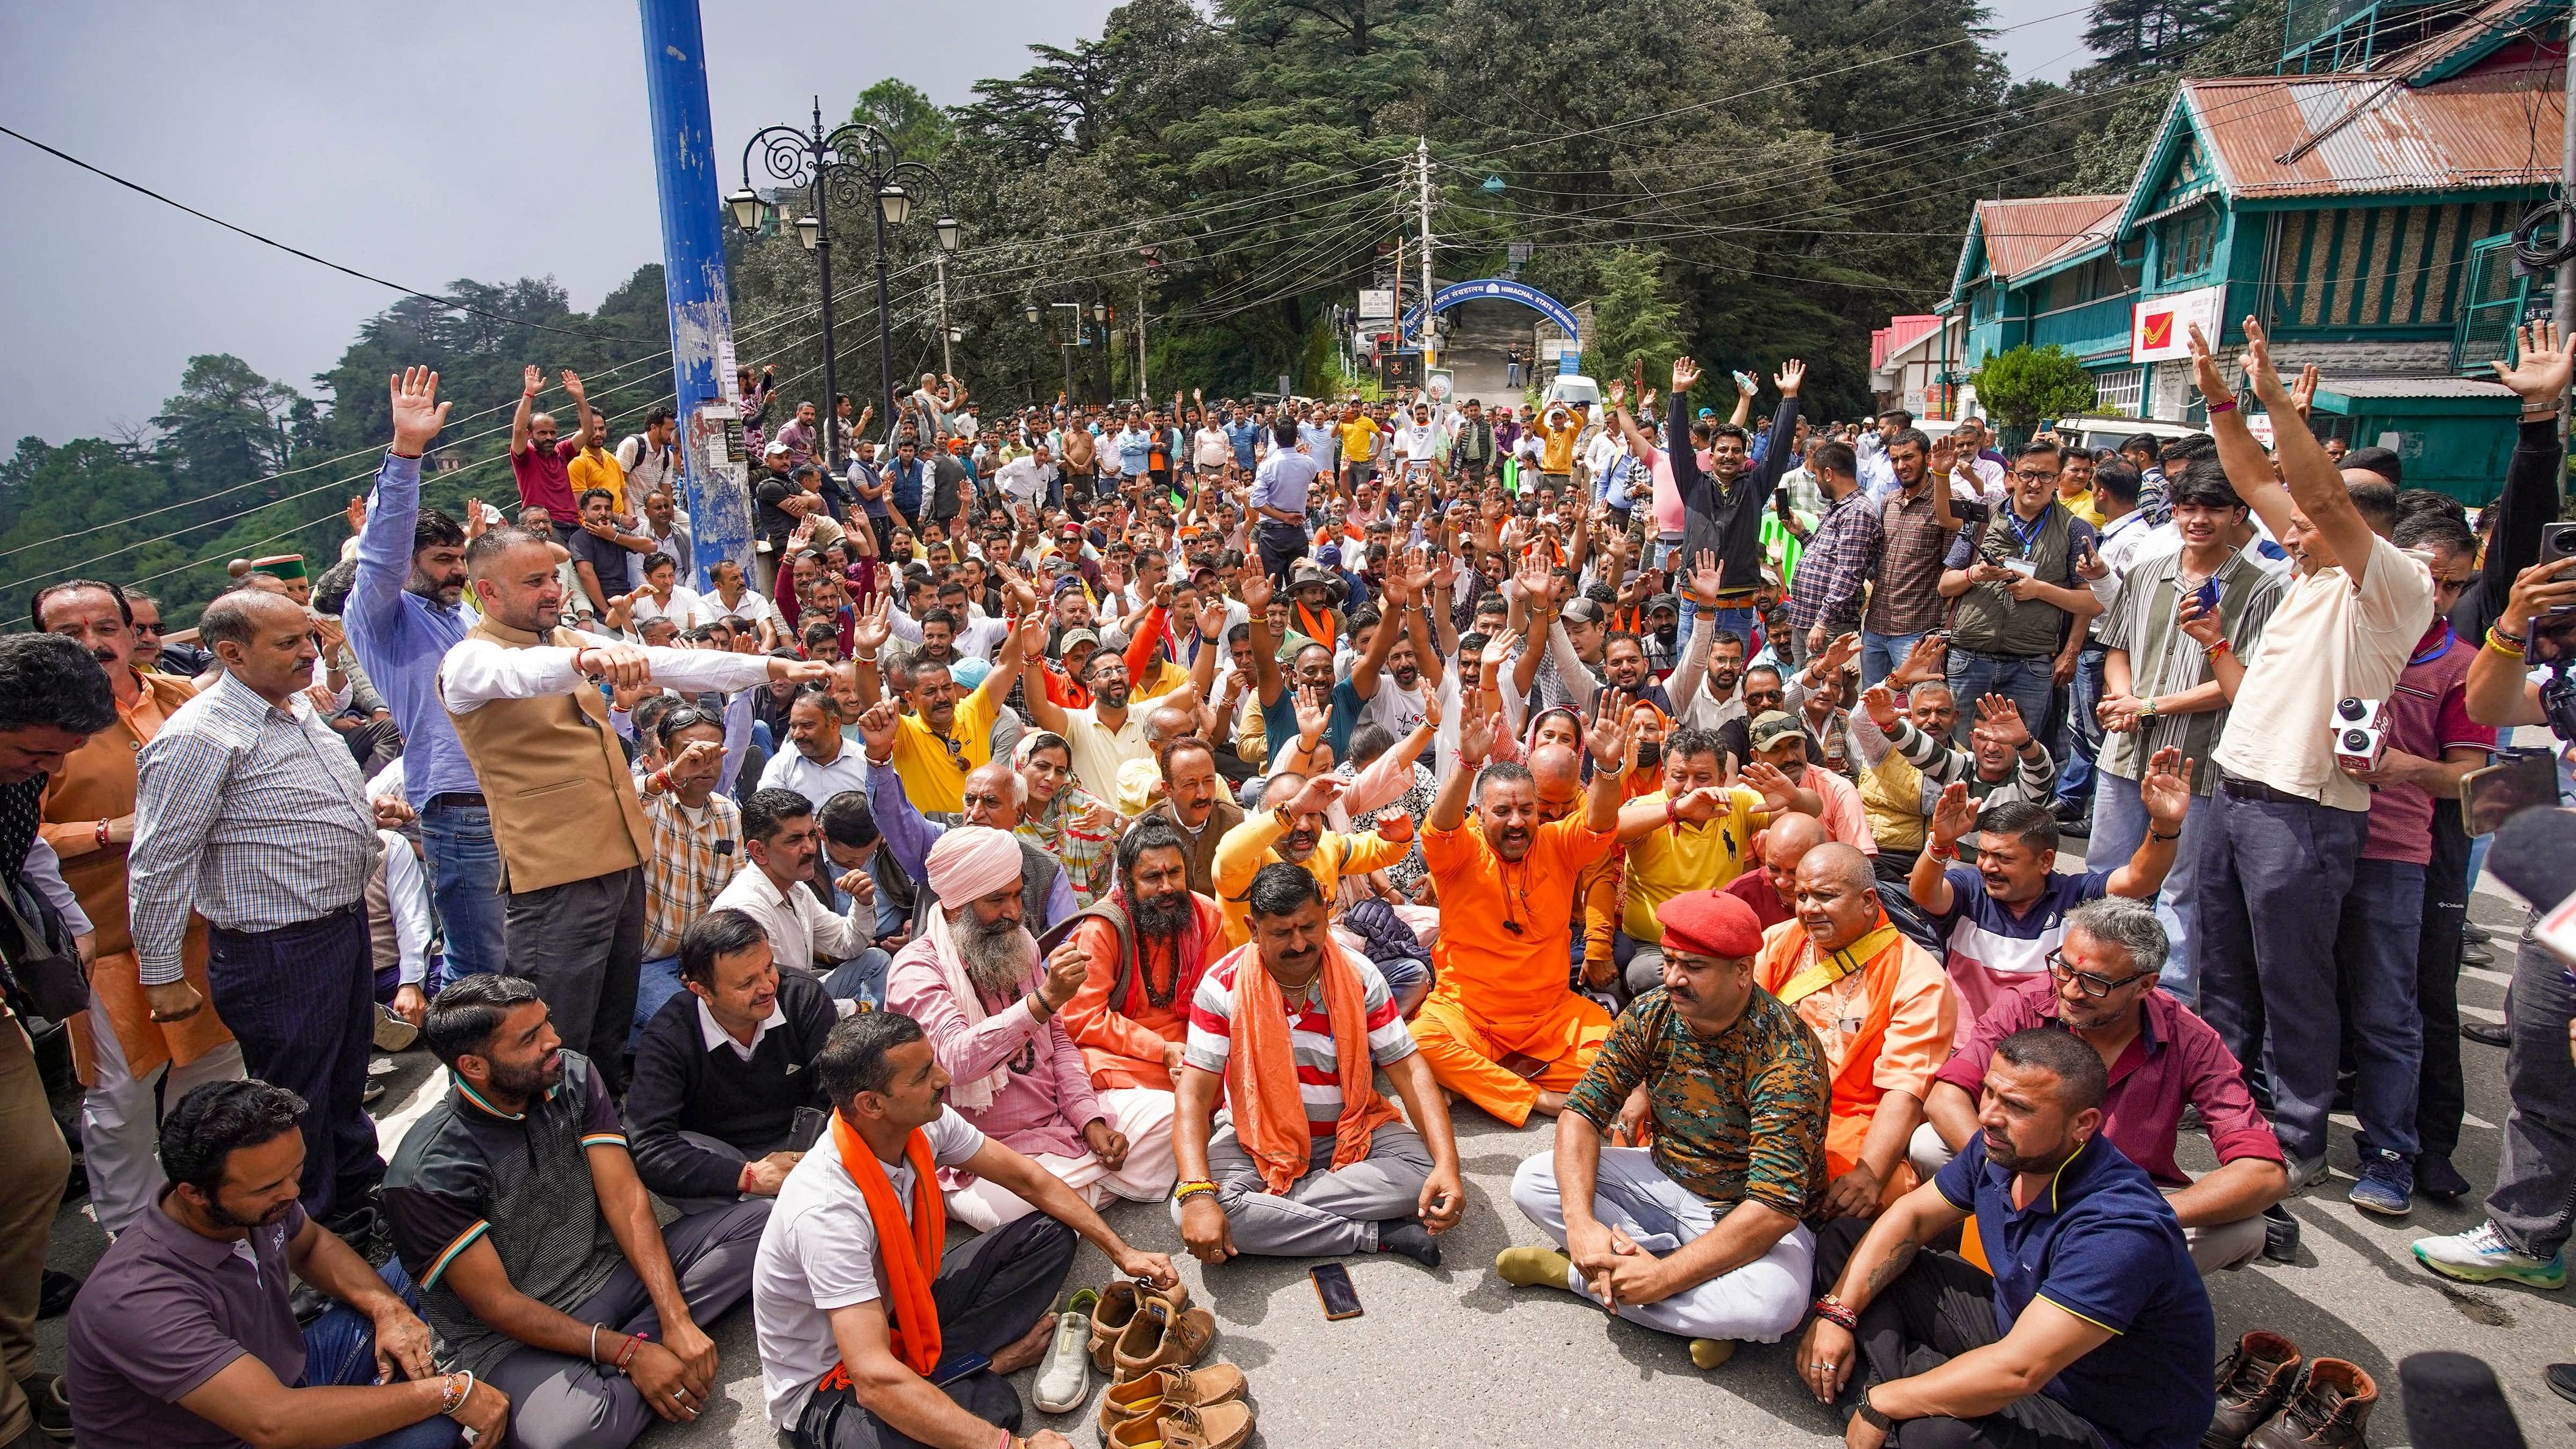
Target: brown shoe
1117, 1309
1143, 1398
2330, 1411
2253, 1384
1217, 1426
1160, 1336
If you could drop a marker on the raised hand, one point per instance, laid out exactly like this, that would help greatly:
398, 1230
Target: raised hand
1954, 816
1840, 654
1685, 373
2259, 372
1500, 649
1476, 735
2540, 376
1880, 702
1608, 737
417, 412
2201, 624
1708, 576
2001, 719
1945, 456
1211, 619
1313, 714
2206, 374
877, 728
1793, 374
356, 513
2165, 790
572, 384
1702, 805
2303, 393
696, 758
1254, 588
1318, 795
531, 381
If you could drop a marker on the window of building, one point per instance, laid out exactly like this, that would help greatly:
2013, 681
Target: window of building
2187, 243
2120, 392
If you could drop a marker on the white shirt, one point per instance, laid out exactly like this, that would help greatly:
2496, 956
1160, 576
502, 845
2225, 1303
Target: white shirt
1212, 448
713, 1034
477, 671
684, 606
816, 780
800, 930
819, 1253
1024, 478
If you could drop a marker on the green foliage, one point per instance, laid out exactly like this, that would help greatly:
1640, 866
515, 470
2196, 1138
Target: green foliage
2108, 155
2029, 383
1634, 317
918, 128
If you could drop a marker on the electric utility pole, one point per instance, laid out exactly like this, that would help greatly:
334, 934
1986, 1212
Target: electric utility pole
1422, 169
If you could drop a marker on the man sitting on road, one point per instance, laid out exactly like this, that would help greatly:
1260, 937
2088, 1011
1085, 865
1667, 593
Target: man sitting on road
173, 1343
721, 1087
1507, 885
1699, 1236
1770, 888
2006, 913
1883, 1011
858, 1304
2094, 1330
2160, 1057
1290, 827
539, 1257
776, 890
1148, 942
1693, 834
991, 1008
990, 797
1290, 1031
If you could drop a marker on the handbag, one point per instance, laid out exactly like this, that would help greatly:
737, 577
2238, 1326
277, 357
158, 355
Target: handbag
41, 973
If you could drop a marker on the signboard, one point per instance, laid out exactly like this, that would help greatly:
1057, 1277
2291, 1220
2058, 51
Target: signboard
2160, 329
1439, 383
1552, 349
725, 379
1376, 303
2260, 425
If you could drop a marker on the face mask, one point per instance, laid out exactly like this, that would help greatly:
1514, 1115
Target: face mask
1650, 753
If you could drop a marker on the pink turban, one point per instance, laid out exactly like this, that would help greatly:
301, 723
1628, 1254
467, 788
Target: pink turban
970, 862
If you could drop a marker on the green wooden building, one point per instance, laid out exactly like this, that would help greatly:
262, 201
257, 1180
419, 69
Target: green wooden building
2360, 203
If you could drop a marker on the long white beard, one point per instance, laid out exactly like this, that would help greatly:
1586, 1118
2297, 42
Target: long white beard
996, 956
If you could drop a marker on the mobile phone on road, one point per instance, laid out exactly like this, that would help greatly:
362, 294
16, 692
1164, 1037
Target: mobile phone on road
1333, 1285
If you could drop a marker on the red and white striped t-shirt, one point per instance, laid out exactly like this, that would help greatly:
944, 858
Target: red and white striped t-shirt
1310, 1031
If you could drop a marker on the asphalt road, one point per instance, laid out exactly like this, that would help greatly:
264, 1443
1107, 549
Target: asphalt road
1453, 1356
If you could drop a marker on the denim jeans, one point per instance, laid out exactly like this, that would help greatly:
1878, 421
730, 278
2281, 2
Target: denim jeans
656, 981
2536, 1180
1880, 654
862, 978
2081, 737
2119, 828
2375, 966
340, 1352
465, 885
2022, 678
2273, 875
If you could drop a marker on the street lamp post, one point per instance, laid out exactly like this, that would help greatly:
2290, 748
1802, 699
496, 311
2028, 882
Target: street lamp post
859, 162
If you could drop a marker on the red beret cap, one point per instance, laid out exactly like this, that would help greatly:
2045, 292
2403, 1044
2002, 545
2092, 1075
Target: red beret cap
1709, 923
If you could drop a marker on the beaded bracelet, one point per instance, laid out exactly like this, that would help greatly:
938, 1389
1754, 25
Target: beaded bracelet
2504, 643
1188, 1189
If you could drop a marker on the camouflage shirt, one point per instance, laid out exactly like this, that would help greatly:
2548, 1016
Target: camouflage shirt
1738, 1115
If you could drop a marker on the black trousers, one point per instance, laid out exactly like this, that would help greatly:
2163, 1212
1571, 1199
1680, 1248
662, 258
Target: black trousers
989, 1292
2440, 1095
301, 1000
1943, 1306
582, 943
1281, 545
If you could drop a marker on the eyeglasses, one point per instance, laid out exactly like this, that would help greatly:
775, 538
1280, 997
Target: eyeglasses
140, 627
2094, 986
2027, 476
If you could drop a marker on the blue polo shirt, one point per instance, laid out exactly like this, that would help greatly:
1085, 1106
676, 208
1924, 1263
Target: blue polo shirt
1244, 435
2102, 1244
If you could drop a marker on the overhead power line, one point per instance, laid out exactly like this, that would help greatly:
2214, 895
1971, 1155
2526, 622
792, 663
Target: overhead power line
449, 302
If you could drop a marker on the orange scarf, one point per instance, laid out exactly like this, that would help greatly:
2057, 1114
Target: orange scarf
1325, 631
912, 1315
1261, 1070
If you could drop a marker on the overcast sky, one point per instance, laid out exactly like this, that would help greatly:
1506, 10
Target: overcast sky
470, 139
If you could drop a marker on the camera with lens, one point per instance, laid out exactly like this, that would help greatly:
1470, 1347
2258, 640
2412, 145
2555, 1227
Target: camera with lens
2360, 734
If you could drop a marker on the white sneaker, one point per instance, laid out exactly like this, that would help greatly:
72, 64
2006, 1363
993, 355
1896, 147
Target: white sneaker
1064, 1378
2481, 1255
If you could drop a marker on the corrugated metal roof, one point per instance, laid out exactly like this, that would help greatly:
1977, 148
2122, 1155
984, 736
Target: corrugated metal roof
2414, 387
2024, 234
2370, 135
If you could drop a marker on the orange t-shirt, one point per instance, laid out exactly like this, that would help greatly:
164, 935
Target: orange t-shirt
1484, 965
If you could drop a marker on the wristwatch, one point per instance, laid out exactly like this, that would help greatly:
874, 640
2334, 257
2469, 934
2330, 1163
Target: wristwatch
1873, 1418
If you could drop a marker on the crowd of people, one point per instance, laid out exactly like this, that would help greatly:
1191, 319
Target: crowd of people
1197, 803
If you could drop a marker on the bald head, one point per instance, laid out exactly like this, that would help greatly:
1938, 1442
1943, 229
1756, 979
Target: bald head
993, 796
1787, 842
1834, 861
1166, 723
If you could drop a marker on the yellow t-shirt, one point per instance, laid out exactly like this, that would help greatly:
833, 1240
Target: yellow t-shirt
599, 469
934, 775
1557, 453
2084, 506
1357, 437
1674, 859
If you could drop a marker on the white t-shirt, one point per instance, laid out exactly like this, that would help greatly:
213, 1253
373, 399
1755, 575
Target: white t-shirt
1023, 479
2327, 641
685, 607
1395, 710
819, 1253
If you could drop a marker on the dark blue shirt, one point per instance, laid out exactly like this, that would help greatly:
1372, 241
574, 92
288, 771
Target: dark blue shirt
2102, 1244
1279, 719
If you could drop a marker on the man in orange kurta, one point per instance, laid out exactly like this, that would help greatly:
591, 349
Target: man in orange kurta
1163, 936
1502, 1028
1883, 1011
118, 1049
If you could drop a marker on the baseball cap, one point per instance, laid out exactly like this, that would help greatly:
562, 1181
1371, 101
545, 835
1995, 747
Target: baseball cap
1662, 603
1077, 639
774, 450
1583, 611
1771, 727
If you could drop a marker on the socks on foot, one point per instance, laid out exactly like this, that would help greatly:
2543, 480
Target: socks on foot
1533, 1267
1406, 1236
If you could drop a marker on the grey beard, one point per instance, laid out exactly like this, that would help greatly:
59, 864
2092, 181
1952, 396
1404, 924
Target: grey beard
996, 957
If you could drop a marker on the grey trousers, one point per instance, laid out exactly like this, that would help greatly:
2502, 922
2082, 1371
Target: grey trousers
2213, 1246
1324, 1214
2536, 1181
1760, 1302
582, 943
559, 1402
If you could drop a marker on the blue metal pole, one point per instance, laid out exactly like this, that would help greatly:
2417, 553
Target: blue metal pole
693, 272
